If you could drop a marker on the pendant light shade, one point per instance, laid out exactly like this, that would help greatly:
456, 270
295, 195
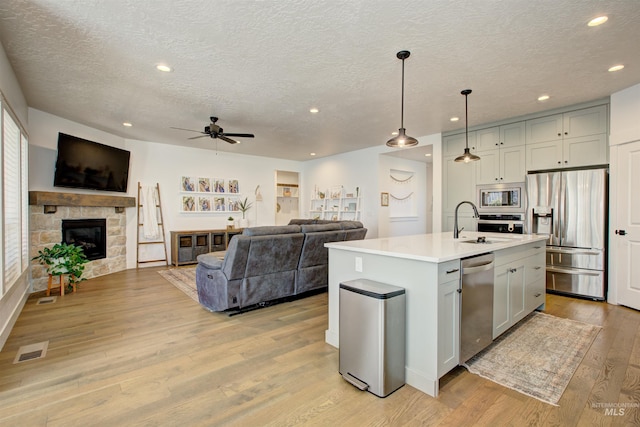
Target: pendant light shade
466, 156
402, 139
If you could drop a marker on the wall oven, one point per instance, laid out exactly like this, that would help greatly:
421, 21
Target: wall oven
501, 198
501, 223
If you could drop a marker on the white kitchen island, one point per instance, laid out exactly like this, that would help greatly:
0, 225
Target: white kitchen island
428, 267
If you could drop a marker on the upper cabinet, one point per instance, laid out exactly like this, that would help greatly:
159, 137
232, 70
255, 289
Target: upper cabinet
572, 139
454, 145
502, 154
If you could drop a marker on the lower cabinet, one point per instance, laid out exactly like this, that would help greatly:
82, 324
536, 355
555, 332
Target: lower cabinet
519, 286
448, 325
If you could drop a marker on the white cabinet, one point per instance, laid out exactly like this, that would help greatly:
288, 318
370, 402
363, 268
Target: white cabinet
504, 164
458, 184
519, 286
454, 145
511, 135
572, 139
502, 154
448, 316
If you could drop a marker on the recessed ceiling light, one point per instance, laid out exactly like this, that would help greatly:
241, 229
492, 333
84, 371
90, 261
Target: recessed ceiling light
312, 154
454, 119
394, 133
428, 155
127, 124
616, 68
597, 21
313, 110
542, 98
162, 67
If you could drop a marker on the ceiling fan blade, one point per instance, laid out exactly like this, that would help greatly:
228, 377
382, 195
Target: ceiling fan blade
190, 130
196, 137
240, 135
224, 138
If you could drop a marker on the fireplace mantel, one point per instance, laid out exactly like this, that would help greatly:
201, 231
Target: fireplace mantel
50, 200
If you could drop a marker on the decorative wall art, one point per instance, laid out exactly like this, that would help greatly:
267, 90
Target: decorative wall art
402, 194
384, 199
209, 195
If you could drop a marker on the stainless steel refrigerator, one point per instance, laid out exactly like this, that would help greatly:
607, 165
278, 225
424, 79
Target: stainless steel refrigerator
571, 207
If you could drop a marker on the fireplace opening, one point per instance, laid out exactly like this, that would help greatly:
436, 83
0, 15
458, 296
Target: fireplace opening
90, 234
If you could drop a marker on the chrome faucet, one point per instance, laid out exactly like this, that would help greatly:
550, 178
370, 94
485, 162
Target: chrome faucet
456, 232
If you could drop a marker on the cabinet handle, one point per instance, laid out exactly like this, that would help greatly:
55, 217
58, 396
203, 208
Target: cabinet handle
459, 290
559, 134
559, 162
513, 270
453, 271
496, 144
496, 179
501, 143
566, 133
537, 268
537, 295
566, 161
501, 178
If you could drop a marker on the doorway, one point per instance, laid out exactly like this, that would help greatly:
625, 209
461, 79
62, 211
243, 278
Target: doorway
287, 197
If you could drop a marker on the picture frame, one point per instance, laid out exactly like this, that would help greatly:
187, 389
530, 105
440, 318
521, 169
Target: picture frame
233, 186
219, 204
384, 199
204, 185
188, 204
204, 204
218, 186
188, 183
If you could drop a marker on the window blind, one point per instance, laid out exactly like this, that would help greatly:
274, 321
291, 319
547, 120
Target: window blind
12, 190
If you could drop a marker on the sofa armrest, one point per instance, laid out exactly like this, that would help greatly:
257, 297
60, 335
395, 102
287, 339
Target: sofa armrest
210, 261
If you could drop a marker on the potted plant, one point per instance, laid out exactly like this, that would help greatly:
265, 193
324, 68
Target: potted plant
63, 258
244, 206
230, 222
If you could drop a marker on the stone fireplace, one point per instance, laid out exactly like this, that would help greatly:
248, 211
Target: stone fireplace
47, 212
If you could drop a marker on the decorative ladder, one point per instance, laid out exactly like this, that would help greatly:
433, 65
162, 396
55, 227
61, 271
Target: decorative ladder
153, 242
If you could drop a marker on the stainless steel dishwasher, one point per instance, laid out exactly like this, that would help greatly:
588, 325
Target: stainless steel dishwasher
476, 305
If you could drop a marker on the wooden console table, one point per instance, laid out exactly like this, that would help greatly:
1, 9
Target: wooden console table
187, 245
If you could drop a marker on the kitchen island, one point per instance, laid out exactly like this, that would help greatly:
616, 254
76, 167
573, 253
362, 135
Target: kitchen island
428, 267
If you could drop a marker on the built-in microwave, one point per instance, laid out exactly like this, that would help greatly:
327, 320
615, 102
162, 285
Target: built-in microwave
501, 198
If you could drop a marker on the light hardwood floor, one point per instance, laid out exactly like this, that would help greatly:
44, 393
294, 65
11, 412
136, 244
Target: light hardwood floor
131, 349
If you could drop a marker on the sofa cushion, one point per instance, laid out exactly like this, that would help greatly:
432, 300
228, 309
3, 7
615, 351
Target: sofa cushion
210, 261
270, 230
350, 225
314, 228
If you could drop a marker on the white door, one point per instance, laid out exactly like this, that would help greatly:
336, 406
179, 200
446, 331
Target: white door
626, 232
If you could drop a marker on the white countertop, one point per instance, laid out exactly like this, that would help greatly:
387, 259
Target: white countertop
438, 247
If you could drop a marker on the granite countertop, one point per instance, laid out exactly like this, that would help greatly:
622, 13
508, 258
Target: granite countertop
437, 247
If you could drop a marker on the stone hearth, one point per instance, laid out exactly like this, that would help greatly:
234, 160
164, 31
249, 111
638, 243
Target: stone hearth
46, 229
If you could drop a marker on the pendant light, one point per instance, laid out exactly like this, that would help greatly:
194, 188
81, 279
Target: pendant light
467, 156
402, 139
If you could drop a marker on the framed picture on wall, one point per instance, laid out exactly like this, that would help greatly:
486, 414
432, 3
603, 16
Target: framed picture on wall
204, 204
188, 204
384, 199
233, 186
188, 183
204, 185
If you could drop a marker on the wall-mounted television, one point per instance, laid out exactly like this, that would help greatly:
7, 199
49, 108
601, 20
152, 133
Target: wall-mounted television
90, 165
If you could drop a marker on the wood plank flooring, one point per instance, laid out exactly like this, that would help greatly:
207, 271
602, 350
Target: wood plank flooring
130, 349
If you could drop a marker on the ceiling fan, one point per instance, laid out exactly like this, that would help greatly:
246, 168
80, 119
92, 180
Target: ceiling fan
215, 131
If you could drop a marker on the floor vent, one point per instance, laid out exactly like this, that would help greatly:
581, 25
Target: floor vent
46, 300
31, 352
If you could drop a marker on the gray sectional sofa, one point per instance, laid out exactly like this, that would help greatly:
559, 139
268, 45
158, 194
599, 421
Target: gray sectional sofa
270, 263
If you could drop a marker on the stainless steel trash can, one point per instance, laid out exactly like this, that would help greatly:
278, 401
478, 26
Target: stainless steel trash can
372, 335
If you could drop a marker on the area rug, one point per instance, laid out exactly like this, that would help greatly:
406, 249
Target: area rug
537, 357
183, 279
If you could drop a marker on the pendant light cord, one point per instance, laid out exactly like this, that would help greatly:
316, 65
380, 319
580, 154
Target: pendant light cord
402, 106
466, 118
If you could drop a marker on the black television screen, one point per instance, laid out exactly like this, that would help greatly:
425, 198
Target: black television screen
87, 164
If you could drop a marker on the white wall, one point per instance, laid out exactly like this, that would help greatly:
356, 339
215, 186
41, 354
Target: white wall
403, 217
625, 115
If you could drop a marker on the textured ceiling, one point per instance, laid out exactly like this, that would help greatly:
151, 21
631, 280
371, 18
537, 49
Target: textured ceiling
260, 65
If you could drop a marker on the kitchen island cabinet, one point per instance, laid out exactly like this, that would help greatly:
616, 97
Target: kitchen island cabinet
428, 267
